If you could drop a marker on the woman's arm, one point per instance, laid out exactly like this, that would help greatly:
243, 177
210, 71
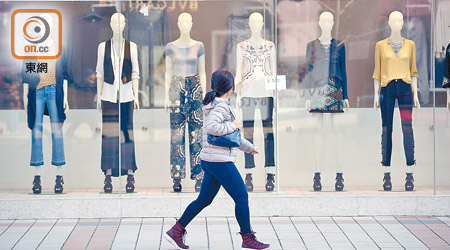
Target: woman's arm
215, 124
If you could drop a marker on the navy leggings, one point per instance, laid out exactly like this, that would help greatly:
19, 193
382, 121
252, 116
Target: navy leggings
220, 174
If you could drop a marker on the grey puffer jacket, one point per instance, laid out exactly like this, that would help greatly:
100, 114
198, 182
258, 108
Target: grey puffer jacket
218, 122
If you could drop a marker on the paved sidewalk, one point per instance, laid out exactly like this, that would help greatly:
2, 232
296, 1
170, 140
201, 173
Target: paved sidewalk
385, 232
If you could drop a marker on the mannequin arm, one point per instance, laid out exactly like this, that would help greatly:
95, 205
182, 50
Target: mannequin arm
135, 84
346, 105
448, 99
25, 96
66, 103
99, 75
415, 92
202, 73
376, 99
238, 76
100, 83
167, 81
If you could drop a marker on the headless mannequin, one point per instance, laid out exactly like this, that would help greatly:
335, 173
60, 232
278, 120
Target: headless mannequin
396, 24
184, 41
59, 169
326, 24
117, 25
256, 23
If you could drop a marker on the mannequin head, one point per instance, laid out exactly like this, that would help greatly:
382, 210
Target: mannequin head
117, 23
256, 22
326, 22
396, 21
185, 23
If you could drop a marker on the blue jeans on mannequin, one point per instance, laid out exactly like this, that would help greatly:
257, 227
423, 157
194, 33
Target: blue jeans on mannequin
265, 105
47, 97
400, 91
218, 174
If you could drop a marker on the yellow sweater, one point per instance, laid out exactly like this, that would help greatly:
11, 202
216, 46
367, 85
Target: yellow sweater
389, 67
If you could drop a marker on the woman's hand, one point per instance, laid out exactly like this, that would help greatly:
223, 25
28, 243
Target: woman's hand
238, 123
256, 151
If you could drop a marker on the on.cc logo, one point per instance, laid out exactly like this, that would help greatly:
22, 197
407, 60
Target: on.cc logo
37, 24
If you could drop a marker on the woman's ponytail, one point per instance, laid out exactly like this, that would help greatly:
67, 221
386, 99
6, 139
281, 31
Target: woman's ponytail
221, 82
209, 97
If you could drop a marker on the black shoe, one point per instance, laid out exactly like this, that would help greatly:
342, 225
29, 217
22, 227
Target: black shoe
108, 184
249, 182
177, 185
339, 186
387, 185
58, 184
269, 184
198, 185
37, 185
409, 185
130, 184
317, 185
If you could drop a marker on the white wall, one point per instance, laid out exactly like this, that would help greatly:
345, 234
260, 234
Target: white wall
361, 160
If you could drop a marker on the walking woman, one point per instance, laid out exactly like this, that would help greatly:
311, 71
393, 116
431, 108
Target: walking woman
218, 165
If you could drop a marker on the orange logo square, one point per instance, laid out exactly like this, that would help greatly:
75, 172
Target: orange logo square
36, 34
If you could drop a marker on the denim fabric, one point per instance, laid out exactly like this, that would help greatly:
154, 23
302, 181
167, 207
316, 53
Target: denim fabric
220, 174
185, 107
265, 105
336, 67
47, 97
400, 91
446, 80
33, 79
113, 134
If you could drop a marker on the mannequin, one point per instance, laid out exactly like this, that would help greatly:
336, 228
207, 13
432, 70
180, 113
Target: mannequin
185, 88
256, 59
328, 80
390, 84
446, 79
118, 57
46, 93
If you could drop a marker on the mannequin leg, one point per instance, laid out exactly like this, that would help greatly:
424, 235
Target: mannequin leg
58, 158
194, 115
266, 109
128, 159
387, 105
337, 139
318, 141
37, 170
177, 130
59, 170
37, 157
110, 138
248, 116
405, 103
130, 172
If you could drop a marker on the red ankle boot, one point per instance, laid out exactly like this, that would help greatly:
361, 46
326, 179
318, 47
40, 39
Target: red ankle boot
176, 236
249, 241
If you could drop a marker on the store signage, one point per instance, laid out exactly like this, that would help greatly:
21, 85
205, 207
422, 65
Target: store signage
275, 82
183, 5
36, 34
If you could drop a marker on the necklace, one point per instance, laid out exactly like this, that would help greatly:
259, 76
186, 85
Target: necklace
396, 47
115, 53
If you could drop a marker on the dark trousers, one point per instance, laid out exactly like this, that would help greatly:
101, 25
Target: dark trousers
113, 133
400, 91
218, 174
265, 105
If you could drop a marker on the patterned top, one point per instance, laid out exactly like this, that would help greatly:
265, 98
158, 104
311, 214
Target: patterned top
47, 78
185, 60
257, 64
